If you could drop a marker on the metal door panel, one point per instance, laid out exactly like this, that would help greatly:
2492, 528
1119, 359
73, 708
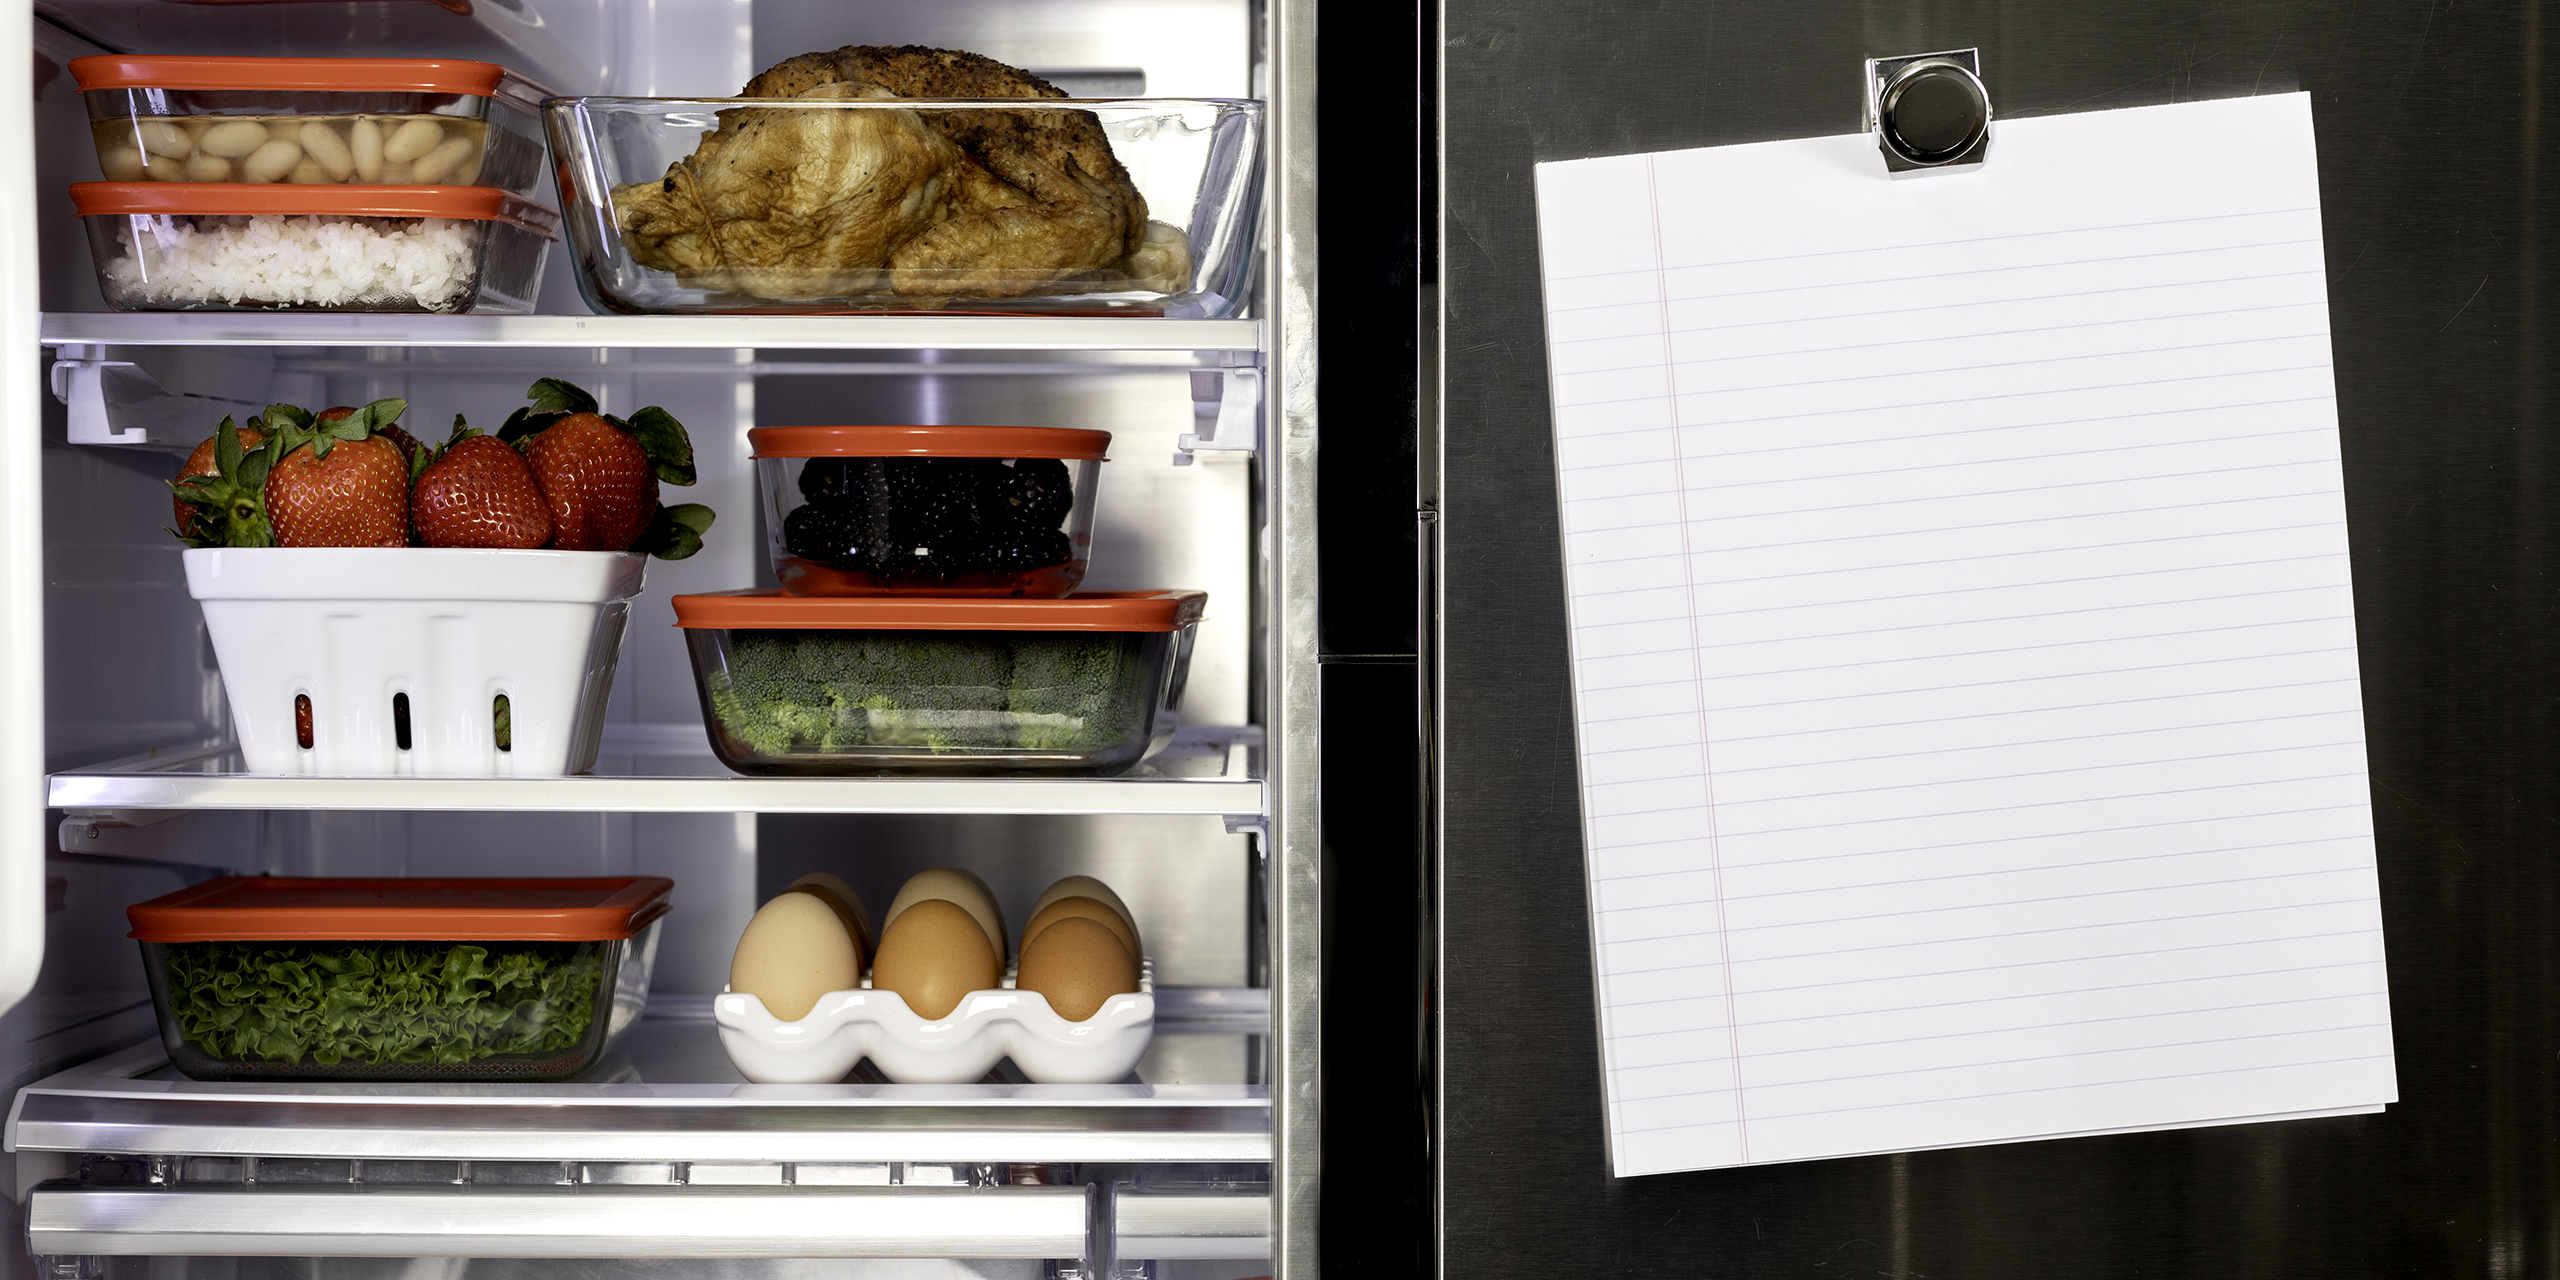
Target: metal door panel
2436, 135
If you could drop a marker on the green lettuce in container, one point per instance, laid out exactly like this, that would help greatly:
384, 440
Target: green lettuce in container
275, 978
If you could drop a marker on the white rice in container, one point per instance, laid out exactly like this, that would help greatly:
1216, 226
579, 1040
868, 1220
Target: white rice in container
296, 260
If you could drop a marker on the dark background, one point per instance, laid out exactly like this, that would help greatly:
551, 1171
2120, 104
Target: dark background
1371, 104
2437, 137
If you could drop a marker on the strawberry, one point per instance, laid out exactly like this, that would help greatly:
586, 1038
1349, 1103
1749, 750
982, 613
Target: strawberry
597, 480
479, 493
337, 483
218, 495
600, 473
201, 463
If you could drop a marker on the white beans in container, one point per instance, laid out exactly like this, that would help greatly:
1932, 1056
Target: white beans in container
364, 140
439, 164
299, 149
412, 140
161, 138
327, 150
270, 163
233, 139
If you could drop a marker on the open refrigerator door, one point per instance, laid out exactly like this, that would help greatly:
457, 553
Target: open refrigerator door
253, 1038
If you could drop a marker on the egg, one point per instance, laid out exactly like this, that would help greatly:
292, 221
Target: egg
1077, 964
932, 954
794, 951
1080, 908
833, 891
1086, 887
952, 885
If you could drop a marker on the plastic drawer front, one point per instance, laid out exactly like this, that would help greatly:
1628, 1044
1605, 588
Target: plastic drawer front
67, 1218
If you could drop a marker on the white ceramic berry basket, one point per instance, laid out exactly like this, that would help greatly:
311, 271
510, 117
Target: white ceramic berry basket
348, 642
847, 1026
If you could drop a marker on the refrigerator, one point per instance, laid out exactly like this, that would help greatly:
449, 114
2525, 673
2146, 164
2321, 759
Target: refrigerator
124, 781
2435, 135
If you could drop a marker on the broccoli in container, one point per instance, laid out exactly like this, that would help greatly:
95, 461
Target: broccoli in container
820, 699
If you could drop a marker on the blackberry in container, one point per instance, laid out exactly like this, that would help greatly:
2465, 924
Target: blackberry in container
929, 511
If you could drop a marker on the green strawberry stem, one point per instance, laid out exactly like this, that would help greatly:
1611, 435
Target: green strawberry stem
301, 428
675, 532
229, 506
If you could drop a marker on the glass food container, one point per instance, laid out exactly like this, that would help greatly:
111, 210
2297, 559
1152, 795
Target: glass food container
183, 246
893, 204
1087, 685
369, 121
928, 511
277, 978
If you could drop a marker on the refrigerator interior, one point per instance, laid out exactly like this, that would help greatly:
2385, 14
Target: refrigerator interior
132, 1171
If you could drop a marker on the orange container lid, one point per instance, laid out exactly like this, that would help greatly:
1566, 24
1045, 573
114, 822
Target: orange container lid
292, 75
295, 909
932, 442
767, 609
480, 204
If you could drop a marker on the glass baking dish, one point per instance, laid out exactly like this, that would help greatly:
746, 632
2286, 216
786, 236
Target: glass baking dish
1087, 685
935, 511
896, 204
277, 978
183, 246
369, 121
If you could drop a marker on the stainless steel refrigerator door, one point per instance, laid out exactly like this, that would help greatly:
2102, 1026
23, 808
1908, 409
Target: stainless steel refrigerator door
2437, 127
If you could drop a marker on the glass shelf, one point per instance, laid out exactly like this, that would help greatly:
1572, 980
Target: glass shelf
669, 1094
667, 769
828, 333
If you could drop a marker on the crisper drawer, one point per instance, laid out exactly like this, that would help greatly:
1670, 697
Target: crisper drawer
68, 1218
561, 1222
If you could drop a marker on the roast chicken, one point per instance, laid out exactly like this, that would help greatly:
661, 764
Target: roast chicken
928, 206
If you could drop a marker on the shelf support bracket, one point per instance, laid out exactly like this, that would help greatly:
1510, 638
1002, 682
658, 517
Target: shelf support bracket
123, 402
79, 382
224, 841
1231, 401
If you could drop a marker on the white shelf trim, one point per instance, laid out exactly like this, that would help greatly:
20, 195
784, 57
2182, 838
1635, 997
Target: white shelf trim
835, 333
660, 794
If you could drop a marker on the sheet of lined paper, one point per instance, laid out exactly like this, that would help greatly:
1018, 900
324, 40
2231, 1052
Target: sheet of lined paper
1963, 645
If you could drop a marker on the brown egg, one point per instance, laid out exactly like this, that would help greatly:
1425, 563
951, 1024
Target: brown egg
833, 891
952, 885
794, 951
1077, 964
1085, 909
1086, 887
932, 954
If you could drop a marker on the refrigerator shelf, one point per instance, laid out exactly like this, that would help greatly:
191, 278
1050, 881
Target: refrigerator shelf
669, 769
667, 1109
648, 1222
807, 333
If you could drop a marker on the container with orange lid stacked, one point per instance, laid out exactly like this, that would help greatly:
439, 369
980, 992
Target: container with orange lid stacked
928, 619
314, 121
276, 978
928, 511
327, 184
1088, 684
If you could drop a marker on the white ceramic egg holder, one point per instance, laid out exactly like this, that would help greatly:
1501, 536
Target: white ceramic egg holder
988, 1026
